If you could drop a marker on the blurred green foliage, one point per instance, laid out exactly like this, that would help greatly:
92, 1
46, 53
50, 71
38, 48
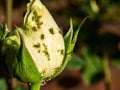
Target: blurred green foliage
92, 70
19, 88
96, 43
90, 65
3, 85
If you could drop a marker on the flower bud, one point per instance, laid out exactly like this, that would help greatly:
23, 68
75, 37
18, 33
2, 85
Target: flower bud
37, 51
43, 43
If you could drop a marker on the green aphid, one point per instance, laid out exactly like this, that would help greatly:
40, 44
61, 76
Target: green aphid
42, 36
51, 31
34, 28
36, 45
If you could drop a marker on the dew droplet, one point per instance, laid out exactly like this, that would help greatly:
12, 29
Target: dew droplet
29, 84
43, 83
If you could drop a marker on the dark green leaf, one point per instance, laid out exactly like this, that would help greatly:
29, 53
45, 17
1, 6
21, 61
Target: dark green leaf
92, 71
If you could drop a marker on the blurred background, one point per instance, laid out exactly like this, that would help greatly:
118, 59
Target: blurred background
95, 63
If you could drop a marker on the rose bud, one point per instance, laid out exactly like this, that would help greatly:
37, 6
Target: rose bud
37, 51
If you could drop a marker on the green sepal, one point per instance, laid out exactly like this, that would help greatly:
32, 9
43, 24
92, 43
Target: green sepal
70, 41
3, 32
24, 68
9, 50
18, 60
68, 38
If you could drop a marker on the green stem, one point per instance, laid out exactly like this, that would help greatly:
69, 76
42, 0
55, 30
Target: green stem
107, 74
35, 86
9, 14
